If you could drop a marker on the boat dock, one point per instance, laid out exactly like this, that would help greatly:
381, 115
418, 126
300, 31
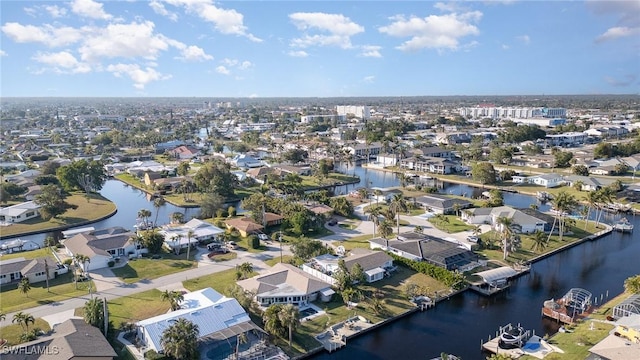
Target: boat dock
574, 306
515, 342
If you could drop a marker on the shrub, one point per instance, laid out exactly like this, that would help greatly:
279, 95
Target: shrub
153, 355
449, 278
111, 263
231, 211
67, 262
254, 242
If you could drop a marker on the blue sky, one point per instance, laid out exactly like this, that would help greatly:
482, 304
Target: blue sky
318, 48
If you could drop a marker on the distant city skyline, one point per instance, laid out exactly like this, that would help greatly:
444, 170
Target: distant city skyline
202, 48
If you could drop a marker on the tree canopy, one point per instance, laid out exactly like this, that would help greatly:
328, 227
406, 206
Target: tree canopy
483, 172
52, 202
82, 175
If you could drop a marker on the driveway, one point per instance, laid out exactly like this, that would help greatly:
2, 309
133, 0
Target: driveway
104, 279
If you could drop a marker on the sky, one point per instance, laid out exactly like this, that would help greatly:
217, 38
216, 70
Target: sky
209, 48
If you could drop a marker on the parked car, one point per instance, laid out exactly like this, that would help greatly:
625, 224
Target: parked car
232, 245
473, 239
332, 222
263, 237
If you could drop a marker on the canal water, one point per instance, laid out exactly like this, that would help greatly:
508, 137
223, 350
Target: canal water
459, 324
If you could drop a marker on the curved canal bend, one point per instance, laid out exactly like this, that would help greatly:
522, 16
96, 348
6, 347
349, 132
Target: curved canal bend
456, 325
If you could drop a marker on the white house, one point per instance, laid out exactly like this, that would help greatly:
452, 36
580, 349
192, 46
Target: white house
101, 246
13, 270
217, 317
245, 161
373, 263
19, 212
386, 160
524, 223
286, 284
177, 236
549, 180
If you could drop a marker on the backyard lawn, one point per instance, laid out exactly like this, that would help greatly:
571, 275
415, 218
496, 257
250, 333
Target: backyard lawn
361, 241
96, 208
276, 260
28, 254
450, 224
146, 268
60, 288
220, 281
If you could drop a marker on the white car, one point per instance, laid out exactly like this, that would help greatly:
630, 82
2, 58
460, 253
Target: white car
473, 239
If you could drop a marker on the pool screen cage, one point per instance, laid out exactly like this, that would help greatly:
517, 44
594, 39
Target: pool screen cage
630, 306
579, 299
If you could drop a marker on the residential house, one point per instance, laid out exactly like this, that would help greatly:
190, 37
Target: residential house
244, 225
320, 209
72, 339
374, 264
549, 180
363, 150
101, 246
434, 151
32, 192
259, 174
434, 165
272, 219
440, 204
589, 183
422, 247
568, 139
304, 170
386, 160
19, 212
453, 138
523, 222
383, 195
13, 270
287, 284
245, 161
623, 343
179, 236
184, 152
520, 179
219, 319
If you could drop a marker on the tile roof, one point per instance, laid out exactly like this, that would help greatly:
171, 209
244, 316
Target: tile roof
284, 279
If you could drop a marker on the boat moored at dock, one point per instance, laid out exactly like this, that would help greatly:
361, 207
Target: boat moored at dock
623, 225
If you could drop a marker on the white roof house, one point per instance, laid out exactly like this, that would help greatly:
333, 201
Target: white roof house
176, 236
208, 309
19, 212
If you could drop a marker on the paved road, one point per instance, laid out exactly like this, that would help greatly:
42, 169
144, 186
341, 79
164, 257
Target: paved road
173, 281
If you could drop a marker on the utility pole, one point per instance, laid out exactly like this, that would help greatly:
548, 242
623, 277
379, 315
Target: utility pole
280, 237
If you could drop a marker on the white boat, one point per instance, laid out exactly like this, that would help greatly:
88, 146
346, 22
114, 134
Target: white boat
623, 225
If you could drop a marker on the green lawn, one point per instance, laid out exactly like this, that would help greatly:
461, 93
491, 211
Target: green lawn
96, 208
136, 307
220, 281
452, 225
275, 260
12, 332
361, 241
28, 254
61, 288
526, 252
146, 268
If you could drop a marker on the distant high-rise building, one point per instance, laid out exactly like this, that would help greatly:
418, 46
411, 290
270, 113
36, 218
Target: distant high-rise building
362, 112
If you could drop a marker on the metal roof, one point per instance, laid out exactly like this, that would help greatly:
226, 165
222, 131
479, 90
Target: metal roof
501, 273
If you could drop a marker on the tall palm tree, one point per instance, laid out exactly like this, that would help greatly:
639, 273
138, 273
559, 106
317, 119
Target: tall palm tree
506, 230
157, 204
605, 197
456, 208
398, 205
190, 234
271, 320
94, 312
363, 193
563, 203
180, 340
374, 216
82, 259
289, 318
144, 215
174, 298
177, 217
385, 229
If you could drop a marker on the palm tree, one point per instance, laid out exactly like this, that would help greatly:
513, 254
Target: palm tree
477, 230
271, 320
144, 214
23, 319
563, 203
289, 318
190, 234
533, 206
24, 286
456, 208
94, 312
245, 268
418, 229
374, 217
180, 340
173, 297
539, 241
157, 204
363, 193
177, 217
505, 224
82, 259
398, 205
385, 229
605, 197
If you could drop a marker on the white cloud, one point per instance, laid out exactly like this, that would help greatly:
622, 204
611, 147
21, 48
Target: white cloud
62, 62
45, 34
90, 9
434, 31
628, 21
298, 53
336, 29
369, 79
140, 77
245, 65
55, 11
371, 51
3, 53
524, 39
159, 9
618, 32
224, 20
127, 41
194, 53
223, 70
31, 11
230, 62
